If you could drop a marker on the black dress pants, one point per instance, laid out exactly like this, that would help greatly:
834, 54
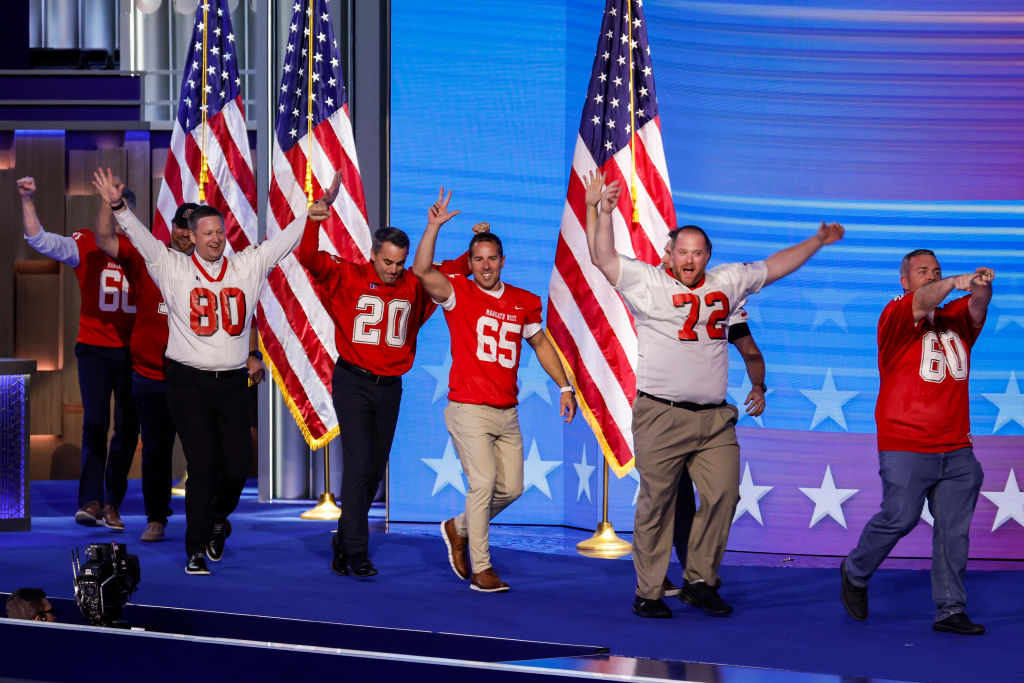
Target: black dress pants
211, 413
367, 410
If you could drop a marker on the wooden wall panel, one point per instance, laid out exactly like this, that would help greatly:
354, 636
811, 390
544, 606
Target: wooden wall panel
38, 322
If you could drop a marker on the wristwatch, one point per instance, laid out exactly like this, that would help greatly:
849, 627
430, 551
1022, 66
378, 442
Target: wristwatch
764, 387
255, 353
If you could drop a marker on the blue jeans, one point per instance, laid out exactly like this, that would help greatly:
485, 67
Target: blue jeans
950, 481
157, 445
104, 371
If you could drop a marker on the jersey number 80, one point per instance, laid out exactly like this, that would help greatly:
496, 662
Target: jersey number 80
203, 318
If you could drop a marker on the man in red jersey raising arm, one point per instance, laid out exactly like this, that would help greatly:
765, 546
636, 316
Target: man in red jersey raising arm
487, 321
377, 309
104, 364
924, 433
210, 300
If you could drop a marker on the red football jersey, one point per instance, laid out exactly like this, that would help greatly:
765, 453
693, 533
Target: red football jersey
487, 337
149, 336
924, 367
108, 303
375, 324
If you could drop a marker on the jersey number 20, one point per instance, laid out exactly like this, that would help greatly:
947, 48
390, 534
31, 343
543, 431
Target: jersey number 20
364, 332
203, 318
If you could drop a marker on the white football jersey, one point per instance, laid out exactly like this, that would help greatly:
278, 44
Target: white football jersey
683, 333
209, 306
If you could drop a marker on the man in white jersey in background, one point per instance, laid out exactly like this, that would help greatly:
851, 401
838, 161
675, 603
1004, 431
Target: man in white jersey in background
210, 301
680, 417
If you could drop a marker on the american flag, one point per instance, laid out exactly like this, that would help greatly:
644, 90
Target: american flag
295, 329
587, 319
231, 185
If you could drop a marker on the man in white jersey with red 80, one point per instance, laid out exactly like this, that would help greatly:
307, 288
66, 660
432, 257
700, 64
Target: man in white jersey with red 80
680, 417
210, 301
487, 321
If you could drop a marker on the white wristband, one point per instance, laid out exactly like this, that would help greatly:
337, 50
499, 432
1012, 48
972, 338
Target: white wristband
566, 389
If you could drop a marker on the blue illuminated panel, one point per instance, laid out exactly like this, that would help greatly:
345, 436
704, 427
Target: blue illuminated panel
13, 451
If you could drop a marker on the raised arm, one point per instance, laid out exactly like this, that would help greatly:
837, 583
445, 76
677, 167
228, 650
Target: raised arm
108, 188
782, 263
979, 283
549, 360
600, 238
59, 247
281, 244
105, 232
433, 280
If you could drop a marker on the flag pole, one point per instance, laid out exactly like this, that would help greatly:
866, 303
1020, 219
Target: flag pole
178, 489
309, 108
604, 544
632, 122
202, 144
326, 507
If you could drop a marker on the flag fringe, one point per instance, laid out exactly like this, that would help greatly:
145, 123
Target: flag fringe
609, 456
313, 443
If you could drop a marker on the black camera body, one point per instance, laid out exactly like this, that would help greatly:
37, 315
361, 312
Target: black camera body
104, 583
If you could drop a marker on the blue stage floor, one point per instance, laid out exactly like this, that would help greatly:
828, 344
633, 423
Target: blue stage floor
787, 617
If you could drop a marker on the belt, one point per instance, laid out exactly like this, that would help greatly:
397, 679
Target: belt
681, 404
366, 374
216, 374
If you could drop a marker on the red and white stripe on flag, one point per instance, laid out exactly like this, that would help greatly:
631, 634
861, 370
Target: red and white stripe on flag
296, 331
587, 319
231, 184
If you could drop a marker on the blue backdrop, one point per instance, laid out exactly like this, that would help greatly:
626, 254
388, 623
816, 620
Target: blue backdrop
903, 120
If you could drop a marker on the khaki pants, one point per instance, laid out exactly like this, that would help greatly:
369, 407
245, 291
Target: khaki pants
490, 448
667, 439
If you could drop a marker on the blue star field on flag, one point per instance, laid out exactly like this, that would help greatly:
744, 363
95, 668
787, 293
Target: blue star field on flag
220, 79
605, 125
328, 86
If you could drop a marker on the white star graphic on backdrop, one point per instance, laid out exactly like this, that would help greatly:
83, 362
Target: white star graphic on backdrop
1010, 404
636, 477
750, 493
739, 394
448, 469
828, 500
1010, 501
1009, 319
828, 402
926, 514
535, 471
583, 472
440, 375
829, 305
533, 380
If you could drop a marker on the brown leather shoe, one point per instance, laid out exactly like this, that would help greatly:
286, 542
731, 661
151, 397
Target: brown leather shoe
91, 514
458, 557
112, 519
154, 532
488, 582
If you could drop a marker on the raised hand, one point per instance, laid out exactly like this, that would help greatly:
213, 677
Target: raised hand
610, 197
482, 226
332, 192
983, 276
830, 232
107, 186
319, 211
26, 187
963, 281
438, 213
593, 184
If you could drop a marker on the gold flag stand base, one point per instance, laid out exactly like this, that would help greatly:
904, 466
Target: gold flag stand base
604, 544
326, 508
179, 488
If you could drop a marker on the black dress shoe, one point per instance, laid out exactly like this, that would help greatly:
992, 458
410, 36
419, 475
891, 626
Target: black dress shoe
359, 564
855, 598
959, 623
704, 597
219, 532
196, 565
651, 608
339, 560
